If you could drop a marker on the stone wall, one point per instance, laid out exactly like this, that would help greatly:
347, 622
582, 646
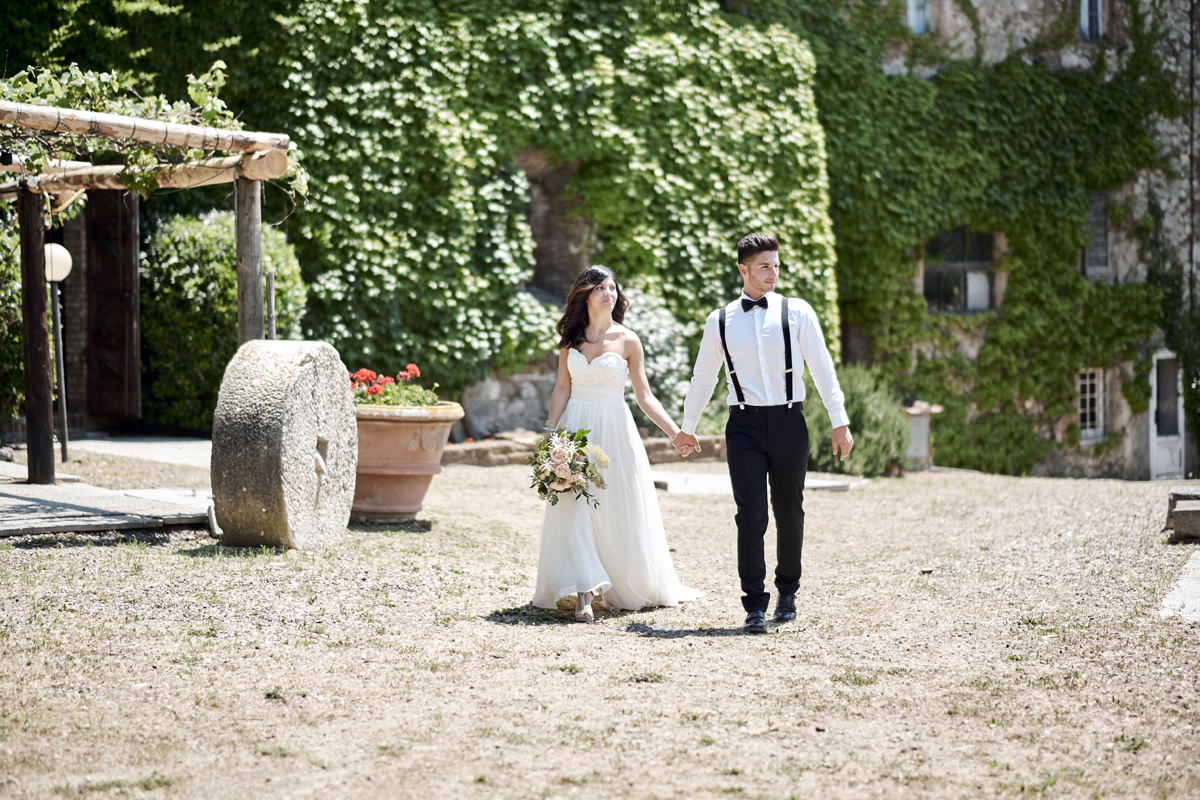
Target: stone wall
507, 403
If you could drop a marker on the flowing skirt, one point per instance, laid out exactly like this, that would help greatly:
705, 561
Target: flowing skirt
618, 550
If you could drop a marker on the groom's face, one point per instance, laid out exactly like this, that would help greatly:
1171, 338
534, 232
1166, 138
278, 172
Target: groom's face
759, 273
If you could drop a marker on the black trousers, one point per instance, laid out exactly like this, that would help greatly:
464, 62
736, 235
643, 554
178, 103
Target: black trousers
767, 444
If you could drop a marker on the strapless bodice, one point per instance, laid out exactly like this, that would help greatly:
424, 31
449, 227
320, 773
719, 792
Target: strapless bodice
601, 379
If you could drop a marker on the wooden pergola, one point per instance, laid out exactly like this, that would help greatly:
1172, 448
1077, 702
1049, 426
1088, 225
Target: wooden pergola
259, 157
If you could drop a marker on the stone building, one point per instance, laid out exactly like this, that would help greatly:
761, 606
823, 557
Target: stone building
958, 274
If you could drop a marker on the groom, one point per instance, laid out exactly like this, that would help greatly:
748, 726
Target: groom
766, 438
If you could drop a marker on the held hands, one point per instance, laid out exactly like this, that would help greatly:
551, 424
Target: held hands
685, 444
843, 441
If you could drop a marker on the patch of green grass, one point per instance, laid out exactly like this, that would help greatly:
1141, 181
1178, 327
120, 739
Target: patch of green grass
155, 781
648, 677
275, 693
276, 752
210, 631
852, 678
1133, 744
570, 669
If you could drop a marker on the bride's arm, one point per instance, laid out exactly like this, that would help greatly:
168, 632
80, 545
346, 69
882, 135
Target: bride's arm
562, 391
646, 400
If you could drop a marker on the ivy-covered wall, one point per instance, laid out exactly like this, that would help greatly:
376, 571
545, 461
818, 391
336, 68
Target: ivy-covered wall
1014, 147
690, 128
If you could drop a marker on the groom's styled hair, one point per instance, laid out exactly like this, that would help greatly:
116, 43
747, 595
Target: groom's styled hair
754, 243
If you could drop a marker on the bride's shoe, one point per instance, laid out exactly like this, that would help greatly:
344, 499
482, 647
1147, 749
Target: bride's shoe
583, 611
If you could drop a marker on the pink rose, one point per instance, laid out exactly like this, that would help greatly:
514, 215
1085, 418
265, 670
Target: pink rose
560, 486
563, 471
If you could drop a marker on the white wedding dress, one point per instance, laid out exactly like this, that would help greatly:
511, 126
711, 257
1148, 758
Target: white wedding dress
618, 550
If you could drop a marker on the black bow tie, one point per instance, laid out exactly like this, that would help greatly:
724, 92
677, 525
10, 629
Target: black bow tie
748, 304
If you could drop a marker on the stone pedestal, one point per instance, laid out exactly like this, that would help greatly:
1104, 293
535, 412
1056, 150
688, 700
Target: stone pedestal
284, 446
920, 443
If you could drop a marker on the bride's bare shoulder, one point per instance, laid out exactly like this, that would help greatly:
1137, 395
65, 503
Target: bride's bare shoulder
630, 343
624, 331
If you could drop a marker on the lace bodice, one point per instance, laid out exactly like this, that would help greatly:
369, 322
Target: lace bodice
602, 379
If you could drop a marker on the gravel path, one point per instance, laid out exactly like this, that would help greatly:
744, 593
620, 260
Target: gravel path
959, 636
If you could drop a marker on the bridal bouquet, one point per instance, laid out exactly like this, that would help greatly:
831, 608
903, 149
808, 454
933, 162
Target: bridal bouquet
565, 461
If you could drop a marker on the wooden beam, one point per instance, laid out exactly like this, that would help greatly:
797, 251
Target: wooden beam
15, 163
39, 406
256, 166
117, 126
248, 213
259, 167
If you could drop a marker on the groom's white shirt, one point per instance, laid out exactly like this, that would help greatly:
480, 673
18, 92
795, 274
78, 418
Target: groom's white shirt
755, 340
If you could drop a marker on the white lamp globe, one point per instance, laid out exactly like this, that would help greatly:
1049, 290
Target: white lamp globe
58, 262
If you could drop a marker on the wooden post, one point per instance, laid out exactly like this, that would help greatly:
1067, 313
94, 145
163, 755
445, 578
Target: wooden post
248, 210
270, 304
60, 370
39, 407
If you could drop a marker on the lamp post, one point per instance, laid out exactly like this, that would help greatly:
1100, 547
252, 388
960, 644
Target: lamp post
58, 267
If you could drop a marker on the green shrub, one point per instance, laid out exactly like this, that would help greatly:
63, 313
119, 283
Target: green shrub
12, 376
877, 423
189, 314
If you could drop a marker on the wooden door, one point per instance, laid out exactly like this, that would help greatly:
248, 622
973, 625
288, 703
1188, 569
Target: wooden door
114, 339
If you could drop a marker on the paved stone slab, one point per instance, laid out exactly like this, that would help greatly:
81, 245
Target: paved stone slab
183, 450
10, 471
35, 508
1184, 599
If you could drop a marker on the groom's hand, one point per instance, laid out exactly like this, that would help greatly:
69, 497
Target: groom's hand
842, 441
685, 444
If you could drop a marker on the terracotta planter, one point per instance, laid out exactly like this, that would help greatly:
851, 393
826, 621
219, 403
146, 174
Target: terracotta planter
399, 452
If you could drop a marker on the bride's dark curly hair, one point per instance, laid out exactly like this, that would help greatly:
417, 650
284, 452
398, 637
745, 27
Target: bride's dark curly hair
574, 320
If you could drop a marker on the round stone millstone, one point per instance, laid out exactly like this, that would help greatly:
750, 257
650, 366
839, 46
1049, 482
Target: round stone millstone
284, 446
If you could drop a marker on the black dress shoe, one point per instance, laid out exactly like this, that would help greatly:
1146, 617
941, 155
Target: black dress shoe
785, 608
756, 622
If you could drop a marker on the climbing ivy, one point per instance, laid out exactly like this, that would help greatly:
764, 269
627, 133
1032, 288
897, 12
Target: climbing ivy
418, 245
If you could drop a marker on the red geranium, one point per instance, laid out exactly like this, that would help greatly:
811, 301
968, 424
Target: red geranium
369, 386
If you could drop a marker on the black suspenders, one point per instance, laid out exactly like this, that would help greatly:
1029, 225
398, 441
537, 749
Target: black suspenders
737, 385
787, 355
787, 351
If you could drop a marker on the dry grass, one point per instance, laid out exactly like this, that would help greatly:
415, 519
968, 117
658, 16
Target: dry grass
959, 636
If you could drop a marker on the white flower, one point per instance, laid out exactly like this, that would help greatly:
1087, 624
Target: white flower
597, 455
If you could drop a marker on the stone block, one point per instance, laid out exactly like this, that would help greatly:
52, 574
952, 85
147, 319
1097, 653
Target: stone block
284, 446
1177, 493
1185, 520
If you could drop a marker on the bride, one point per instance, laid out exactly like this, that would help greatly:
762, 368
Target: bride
619, 549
